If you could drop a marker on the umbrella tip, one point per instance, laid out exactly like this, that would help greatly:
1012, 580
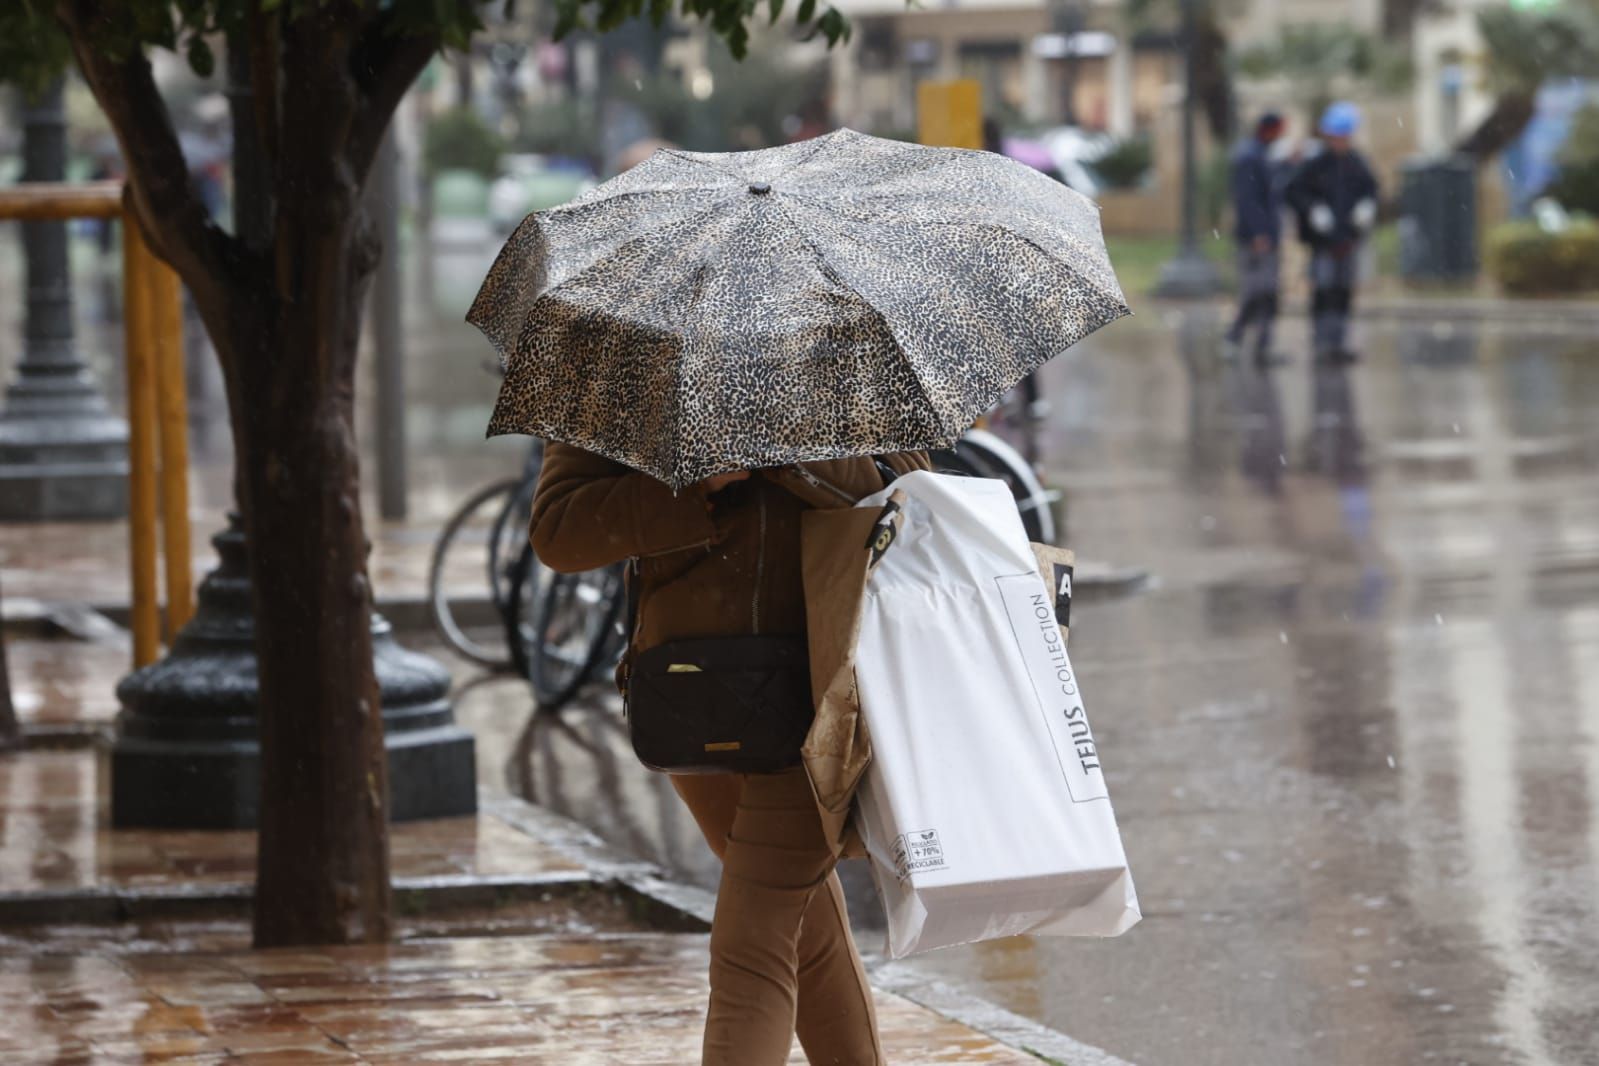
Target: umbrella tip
760, 188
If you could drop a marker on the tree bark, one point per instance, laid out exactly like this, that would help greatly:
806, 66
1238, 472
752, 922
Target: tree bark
323, 844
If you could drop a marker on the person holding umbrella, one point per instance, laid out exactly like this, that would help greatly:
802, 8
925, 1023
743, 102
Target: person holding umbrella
715, 344
1334, 195
1257, 227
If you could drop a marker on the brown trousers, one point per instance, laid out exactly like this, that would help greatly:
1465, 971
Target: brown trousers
782, 958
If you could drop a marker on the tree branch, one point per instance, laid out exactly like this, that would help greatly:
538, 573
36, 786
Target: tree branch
174, 219
384, 63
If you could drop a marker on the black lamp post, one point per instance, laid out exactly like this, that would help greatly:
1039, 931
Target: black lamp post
63, 454
1189, 274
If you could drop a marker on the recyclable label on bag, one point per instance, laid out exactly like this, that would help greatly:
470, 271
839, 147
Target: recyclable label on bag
1032, 611
917, 852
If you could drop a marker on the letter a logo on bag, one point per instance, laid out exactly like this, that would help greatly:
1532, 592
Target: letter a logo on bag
1063, 594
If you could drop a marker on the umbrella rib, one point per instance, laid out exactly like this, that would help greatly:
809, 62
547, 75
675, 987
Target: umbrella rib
995, 227
697, 216
678, 154
833, 275
573, 206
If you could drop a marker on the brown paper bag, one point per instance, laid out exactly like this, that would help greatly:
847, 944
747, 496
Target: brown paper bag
838, 550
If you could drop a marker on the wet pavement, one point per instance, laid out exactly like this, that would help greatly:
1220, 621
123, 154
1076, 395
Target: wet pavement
1351, 727
590, 1000
53, 839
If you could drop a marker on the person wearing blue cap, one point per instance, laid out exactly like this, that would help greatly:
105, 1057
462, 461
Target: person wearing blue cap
1257, 227
1334, 196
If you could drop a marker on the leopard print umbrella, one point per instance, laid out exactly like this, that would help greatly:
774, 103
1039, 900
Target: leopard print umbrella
841, 296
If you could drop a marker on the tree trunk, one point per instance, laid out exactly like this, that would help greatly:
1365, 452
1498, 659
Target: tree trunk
1510, 115
323, 874
1213, 82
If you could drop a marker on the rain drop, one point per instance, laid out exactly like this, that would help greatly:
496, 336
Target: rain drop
1282, 637
1456, 427
1392, 765
1437, 619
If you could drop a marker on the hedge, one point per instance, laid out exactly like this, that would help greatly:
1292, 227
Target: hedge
1529, 261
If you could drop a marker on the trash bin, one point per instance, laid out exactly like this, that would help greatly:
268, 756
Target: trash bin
1438, 220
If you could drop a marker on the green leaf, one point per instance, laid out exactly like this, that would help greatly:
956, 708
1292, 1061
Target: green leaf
807, 11
776, 7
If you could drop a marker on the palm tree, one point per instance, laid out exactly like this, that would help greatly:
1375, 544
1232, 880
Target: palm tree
1525, 49
1213, 85
1322, 60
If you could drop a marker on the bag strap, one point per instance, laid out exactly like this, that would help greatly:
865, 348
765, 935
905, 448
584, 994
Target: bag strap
630, 582
631, 579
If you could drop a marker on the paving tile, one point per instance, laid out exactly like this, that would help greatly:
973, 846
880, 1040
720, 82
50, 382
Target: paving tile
53, 838
623, 998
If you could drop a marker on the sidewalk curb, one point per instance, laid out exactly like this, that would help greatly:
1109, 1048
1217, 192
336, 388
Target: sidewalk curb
997, 1022
1553, 316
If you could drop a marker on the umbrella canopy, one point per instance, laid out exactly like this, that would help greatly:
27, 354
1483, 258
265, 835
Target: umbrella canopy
841, 296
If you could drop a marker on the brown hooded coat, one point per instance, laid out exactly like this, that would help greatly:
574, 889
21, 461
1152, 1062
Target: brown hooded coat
725, 565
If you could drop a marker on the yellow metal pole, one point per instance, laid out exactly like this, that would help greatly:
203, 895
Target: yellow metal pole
172, 409
142, 432
38, 201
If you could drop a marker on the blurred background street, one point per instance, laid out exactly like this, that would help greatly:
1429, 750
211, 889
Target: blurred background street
1337, 623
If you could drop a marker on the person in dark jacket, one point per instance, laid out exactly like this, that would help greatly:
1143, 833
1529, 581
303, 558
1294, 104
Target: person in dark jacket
1257, 227
1334, 196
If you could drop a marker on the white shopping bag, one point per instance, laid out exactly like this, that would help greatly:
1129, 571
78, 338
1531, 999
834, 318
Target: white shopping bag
983, 809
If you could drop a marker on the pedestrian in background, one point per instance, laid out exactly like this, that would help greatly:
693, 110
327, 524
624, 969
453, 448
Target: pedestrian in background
1257, 227
1334, 196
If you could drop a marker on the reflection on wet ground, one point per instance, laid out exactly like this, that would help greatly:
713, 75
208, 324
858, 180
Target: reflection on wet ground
589, 1000
53, 839
1352, 727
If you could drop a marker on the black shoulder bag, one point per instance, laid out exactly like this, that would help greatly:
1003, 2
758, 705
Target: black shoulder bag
720, 704
735, 705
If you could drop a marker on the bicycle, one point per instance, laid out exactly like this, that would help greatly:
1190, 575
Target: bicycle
485, 531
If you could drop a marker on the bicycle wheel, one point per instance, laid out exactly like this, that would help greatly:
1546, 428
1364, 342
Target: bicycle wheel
511, 529
466, 546
561, 628
980, 453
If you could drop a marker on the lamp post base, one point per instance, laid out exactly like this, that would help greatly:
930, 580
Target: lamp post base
1189, 275
186, 754
67, 469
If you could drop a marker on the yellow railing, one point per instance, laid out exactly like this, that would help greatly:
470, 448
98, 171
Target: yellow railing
158, 438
